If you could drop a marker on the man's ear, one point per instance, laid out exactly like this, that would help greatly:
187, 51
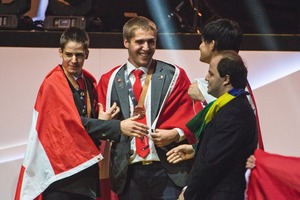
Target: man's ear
226, 80
126, 43
60, 51
212, 45
87, 54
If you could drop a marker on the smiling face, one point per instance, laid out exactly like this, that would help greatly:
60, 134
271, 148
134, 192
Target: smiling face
141, 47
206, 51
73, 56
216, 84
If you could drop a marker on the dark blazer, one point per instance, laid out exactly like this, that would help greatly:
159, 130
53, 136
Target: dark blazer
224, 146
86, 182
120, 152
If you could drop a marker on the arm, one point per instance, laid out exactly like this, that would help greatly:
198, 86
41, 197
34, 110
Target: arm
195, 93
102, 129
181, 153
177, 105
202, 88
105, 128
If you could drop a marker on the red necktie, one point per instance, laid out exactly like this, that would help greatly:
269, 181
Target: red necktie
80, 82
137, 86
142, 144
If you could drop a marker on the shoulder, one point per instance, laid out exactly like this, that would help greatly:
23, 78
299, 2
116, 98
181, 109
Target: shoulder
107, 75
54, 76
89, 76
54, 82
163, 65
238, 108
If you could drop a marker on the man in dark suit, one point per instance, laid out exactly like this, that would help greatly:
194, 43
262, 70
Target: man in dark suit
227, 133
62, 156
143, 172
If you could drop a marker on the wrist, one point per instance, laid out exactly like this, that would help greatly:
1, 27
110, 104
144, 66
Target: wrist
179, 135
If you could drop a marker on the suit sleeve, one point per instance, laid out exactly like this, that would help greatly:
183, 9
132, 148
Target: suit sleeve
102, 129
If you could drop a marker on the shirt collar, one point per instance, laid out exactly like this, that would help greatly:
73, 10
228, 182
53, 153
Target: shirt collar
78, 77
130, 68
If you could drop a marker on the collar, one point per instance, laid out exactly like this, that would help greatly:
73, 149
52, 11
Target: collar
199, 122
130, 68
75, 78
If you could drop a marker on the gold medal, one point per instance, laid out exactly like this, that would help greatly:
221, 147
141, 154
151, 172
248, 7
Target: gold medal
139, 111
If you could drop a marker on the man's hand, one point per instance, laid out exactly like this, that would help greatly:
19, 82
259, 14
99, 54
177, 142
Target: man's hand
180, 153
250, 164
110, 114
181, 197
64, 2
131, 128
163, 137
195, 93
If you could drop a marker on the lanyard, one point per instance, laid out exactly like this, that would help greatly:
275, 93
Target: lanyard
145, 87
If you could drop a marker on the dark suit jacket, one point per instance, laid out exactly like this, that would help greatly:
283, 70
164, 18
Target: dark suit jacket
224, 146
120, 152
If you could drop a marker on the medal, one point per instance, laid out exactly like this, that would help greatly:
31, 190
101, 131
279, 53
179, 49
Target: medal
139, 111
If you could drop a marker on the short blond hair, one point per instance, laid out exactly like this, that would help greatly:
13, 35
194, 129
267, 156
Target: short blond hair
135, 23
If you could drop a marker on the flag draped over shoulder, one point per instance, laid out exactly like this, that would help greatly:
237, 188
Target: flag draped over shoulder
103, 89
274, 177
178, 104
58, 145
198, 123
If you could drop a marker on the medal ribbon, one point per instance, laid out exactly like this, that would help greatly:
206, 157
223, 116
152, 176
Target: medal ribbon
142, 144
145, 88
76, 86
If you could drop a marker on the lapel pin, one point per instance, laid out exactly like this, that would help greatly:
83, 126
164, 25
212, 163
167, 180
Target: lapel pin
161, 77
119, 80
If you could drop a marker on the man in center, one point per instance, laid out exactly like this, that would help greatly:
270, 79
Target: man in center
157, 92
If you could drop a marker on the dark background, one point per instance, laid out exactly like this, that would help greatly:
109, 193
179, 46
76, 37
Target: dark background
254, 16
267, 24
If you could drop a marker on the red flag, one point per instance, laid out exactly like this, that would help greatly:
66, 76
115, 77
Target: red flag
179, 104
58, 145
274, 177
105, 189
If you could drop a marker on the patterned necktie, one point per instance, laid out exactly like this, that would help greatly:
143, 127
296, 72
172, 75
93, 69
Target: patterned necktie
142, 144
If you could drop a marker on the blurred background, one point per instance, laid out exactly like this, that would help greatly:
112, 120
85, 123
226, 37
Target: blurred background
185, 16
29, 40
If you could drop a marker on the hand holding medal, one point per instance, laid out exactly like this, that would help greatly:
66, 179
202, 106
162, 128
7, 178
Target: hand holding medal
139, 111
